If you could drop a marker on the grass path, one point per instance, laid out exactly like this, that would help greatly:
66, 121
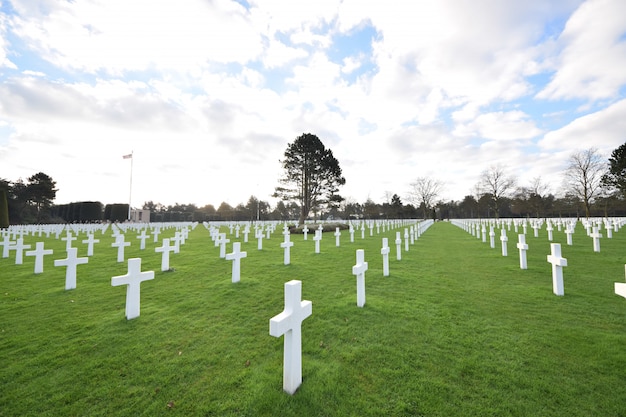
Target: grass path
456, 330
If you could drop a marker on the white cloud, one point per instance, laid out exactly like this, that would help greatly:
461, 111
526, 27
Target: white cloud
119, 36
512, 125
603, 129
593, 57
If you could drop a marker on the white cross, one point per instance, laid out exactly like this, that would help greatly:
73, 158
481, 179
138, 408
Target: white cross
351, 234
385, 252
222, 242
90, 241
133, 279
246, 231
71, 262
337, 236
68, 240
406, 240
236, 256
359, 270
549, 229
286, 245
596, 235
19, 250
504, 239
523, 247
317, 238
305, 230
289, 324
569, 231
177, 239
484, 233
6, 244
398, 246
558, 263
536, 229
156, 233
143, 238
39, 253
165, 257
492, 237
259, 236
120, 244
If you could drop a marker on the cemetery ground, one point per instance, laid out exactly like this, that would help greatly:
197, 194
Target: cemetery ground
456, 329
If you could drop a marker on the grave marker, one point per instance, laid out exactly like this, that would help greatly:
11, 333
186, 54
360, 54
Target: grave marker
359, 270
385, 252
236, 256
133, 278
120, 244
596, 235
90, 241
620, 289
286, 245
289, 324
71, 262
504, 239
165, 254
398, 247
523, 247
19, 250
39, 253
558, 262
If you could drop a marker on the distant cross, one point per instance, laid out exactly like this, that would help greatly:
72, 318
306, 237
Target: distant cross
68, 240
120, 244
523, 247
143, 236
569, 230
504, 239
246, 231
317, 238
536, 228
398, 246
19, 250
259, 236
133, 278
155, 233
236, 256
39, 253
596, 235
484, 233
305, 230
286, 245
359, 270
71, 262
385, 252
337, 237
558, 262
165, 254
549, 229
177, 239
289, 324
406, 240
411, 234
90, 241
492, 237
6, 244
362, 230
222, 241
351, 234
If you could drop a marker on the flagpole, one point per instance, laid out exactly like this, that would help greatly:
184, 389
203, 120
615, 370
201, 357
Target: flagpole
130, 188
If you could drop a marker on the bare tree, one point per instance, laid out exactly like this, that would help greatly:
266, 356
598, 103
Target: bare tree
424, 191
583, 176
497, 184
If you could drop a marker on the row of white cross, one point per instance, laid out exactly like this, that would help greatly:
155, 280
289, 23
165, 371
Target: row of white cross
478, 229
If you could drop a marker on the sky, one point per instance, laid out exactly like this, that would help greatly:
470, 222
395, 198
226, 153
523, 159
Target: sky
207, 94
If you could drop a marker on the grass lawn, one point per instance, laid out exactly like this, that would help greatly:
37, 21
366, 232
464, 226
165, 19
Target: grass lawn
455, 330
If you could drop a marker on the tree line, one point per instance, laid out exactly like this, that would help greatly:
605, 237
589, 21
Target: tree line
309, 188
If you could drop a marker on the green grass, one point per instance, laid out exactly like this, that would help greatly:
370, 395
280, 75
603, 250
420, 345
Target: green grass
455, 330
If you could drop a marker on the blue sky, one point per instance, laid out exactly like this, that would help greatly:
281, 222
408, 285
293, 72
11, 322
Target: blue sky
207, 95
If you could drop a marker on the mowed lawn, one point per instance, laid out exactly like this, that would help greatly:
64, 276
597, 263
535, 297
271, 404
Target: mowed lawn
455, 330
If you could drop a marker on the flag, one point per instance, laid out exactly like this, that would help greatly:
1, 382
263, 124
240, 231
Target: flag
129, 156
